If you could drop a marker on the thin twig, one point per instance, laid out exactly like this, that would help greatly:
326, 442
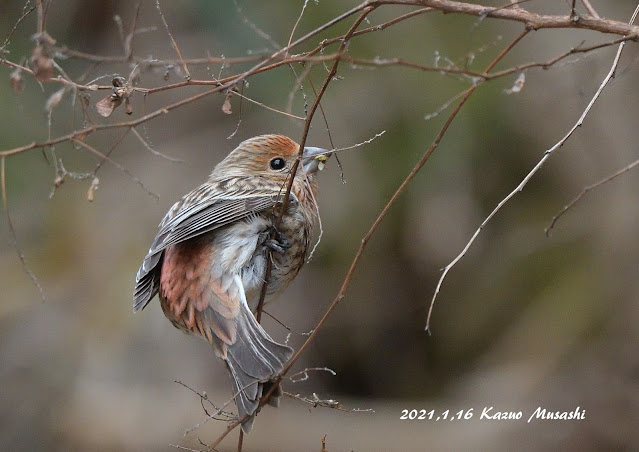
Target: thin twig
15, 27
302, 143
175, 46
116, 164
204, 398
12, 231
303, 374
297, 22
177, 446
111, 149
585, 191
149, 148
275, 110
367, 237
240, 440
128, 42
532, 172
40, 16
339, 164
328, 79
590, 9
261, 33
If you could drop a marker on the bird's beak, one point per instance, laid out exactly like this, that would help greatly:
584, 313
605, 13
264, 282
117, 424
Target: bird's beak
313, 159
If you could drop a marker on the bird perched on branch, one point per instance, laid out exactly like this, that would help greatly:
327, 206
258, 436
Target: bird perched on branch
209, 258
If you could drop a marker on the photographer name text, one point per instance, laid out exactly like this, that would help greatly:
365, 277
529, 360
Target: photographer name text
490, 413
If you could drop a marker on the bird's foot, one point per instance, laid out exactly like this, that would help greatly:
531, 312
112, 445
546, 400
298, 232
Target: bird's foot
276, 242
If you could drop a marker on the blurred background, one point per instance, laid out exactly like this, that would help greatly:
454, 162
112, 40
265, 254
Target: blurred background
523, 321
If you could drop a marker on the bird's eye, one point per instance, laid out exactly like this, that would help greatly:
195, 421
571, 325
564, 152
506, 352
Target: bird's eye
278, 163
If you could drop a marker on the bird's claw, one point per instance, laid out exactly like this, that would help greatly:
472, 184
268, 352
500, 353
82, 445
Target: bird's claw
276, 242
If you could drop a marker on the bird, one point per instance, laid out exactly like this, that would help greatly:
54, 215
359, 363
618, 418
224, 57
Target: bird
208, 261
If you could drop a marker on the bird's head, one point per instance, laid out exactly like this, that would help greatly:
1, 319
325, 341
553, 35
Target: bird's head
271, 156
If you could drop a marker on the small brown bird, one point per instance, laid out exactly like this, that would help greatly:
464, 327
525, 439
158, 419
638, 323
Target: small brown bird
209, 258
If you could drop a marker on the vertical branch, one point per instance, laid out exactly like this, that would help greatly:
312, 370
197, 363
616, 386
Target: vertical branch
307, 125
40, 7
128, 41
284, 205
240, 441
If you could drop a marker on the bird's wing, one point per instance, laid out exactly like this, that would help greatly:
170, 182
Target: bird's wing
202, 210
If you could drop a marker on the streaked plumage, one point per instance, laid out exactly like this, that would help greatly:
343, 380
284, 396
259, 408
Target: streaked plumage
208, 259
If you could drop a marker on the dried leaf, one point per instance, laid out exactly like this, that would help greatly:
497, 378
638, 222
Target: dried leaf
226, 106
16, 81
95, 184
54, 99
42, 64
106, 106
518, 85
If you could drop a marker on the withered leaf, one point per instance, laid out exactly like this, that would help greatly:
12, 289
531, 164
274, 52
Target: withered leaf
42, 64
54, 99
95, 184
106, 106
226, 106
16, 81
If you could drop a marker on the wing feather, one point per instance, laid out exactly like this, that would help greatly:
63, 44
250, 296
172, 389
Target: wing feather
202, 210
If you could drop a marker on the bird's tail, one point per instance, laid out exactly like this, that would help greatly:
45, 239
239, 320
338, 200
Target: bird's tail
253, 360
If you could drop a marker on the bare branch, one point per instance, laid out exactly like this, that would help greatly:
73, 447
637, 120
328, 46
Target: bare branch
116, 164
532, 172
533, 21
149, 148
175, 46
12, 231
293, 170
15, 27
585, 191
590, 9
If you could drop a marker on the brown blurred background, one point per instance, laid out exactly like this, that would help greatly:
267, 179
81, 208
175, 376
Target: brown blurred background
523, 320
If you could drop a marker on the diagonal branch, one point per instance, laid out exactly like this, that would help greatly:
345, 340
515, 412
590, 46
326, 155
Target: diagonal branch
285, 201
287, 193
585, 191
12, 231
175, 46
533, 171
